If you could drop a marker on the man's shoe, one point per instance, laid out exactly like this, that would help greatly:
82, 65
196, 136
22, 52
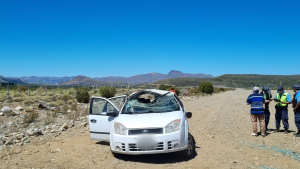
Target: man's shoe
264, 134
297, 133
253, 134
286, 132
277, 130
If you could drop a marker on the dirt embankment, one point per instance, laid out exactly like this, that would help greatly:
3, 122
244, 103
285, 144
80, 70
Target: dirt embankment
220, 124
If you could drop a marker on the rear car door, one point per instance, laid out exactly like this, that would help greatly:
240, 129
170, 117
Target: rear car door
100, 124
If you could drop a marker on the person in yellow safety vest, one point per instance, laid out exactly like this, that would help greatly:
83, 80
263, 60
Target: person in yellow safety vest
266, 92
283, 99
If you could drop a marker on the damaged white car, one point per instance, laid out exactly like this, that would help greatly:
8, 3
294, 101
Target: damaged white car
146, 122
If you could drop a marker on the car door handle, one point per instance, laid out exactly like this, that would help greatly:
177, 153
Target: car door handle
93, 120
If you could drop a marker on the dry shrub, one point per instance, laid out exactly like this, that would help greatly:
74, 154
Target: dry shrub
49, 118
18, 100
73, 115
65, 109
30, 117
60, 102
74, 106
70, 101
28, 102
53, 104
28, 109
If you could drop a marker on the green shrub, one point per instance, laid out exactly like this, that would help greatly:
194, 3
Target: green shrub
168, 88
107, 92
70, 101
82, 95
23, 88
206, 87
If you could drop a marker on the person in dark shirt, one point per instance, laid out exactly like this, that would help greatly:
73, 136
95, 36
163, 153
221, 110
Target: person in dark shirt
257, 101
266, 92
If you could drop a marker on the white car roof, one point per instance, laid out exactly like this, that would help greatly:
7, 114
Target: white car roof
161, 92
158, 91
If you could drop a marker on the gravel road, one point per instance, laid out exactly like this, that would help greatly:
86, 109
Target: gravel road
221, 127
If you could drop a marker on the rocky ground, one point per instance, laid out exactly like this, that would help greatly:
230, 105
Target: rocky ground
220, 124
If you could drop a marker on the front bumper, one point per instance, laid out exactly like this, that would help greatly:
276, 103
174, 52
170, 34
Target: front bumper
164, 143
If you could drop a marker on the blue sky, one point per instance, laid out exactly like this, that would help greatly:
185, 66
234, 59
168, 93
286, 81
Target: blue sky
124, 38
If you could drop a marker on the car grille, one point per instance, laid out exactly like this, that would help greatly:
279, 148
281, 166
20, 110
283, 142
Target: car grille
169, 145
123, 147
145, 131
159, 147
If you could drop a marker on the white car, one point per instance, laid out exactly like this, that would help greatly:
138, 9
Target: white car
146, 122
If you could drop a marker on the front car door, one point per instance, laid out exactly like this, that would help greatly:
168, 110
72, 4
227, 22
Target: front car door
100, 124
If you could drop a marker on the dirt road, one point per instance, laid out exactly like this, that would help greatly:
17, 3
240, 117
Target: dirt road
221, 127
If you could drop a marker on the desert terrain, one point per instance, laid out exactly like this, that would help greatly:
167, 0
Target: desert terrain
221, 127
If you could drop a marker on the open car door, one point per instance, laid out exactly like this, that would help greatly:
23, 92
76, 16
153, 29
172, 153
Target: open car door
100, 123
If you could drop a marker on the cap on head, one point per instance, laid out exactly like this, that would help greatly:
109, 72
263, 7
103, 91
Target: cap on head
279, 88
296, 87
265, 88
255, 89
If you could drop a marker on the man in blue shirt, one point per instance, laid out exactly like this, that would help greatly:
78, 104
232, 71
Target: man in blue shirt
296, 106
283, 99
257, 111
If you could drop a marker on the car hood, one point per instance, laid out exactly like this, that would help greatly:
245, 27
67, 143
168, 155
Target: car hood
149, 120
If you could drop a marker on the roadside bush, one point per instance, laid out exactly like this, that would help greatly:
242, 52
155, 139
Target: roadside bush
82, 95
23, 88
66, 97
53, 104
70, 101
168, 88
30, 117
206, 87
107, 92
17, 95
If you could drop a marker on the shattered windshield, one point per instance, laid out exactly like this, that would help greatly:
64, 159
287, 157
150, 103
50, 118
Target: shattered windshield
151, 103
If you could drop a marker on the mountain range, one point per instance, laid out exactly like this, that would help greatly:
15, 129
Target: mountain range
82, 80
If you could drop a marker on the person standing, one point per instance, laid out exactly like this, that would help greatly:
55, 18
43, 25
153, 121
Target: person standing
282, 99
257, 111
296, 106
266, 92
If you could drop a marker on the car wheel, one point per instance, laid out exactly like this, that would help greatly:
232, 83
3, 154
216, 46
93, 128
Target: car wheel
190, 151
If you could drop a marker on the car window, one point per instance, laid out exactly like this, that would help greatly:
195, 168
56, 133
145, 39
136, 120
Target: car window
101, 107
118, 102
145, 103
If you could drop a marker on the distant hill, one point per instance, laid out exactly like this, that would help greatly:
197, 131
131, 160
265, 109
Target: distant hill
45, 80
238, 80
152, 77
10, 80
86, 81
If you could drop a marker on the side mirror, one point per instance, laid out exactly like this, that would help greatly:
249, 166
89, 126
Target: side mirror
188, 114
111, 113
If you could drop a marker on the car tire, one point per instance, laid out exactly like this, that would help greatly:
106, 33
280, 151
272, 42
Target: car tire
190, 151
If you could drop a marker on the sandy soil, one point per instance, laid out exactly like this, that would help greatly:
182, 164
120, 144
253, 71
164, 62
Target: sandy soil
221, 127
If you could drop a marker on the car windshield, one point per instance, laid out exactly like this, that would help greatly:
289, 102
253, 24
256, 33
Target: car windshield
150, 103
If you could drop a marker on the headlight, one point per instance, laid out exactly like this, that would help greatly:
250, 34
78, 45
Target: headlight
173, 126
119, 129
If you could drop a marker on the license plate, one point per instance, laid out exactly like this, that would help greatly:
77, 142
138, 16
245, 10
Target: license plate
146, 143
